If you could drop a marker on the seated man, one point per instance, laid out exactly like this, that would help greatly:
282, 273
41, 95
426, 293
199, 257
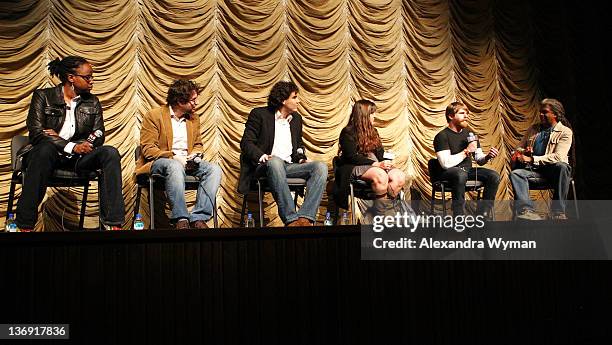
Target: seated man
272, 145
455, 145
543, 152
63, 124
170, 140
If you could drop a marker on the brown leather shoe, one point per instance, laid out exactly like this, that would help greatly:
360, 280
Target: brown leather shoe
300, 222
182, 224
199, 224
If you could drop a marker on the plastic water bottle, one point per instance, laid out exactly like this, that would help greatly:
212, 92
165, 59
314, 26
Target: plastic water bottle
250, 222
138, 222
344, 220
328, 221
10, 223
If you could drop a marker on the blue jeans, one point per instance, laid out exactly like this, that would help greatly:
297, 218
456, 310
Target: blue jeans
557, 174
174, 173
316, 175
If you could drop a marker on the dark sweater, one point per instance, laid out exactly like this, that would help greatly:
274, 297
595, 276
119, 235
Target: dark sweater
349, 158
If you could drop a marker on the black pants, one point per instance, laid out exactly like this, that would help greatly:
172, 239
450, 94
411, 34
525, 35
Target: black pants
458, 177
44, 158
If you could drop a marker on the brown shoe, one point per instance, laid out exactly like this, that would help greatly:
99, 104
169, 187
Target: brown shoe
300, 222
199, 224
182, 224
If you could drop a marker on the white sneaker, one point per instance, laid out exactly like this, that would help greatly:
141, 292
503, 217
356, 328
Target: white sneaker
529, 215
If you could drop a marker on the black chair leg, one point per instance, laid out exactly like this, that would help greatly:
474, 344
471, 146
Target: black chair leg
151, 204
433, 200
83, 205
244, 203
352, 205
99, 205
11, 197
443, 201
260, 199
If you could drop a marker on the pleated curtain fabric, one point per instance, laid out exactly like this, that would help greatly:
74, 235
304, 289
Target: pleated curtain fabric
410, 57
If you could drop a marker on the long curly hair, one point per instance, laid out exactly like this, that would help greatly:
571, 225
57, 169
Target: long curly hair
367, 136
68, 65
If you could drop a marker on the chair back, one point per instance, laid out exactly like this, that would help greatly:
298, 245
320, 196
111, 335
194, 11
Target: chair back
435, 170
17, 143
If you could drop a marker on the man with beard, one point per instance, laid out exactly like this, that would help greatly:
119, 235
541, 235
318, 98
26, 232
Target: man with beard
170, 139
544, 154
455, 145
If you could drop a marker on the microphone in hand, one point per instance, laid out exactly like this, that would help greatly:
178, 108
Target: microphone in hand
93, 138
301, 156
472, 141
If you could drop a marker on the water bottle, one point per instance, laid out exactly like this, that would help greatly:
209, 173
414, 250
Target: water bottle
344, 220
138, 222
10, 223
328, 221
250, 222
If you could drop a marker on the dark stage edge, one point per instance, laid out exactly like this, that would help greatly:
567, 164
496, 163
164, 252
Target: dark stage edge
287, 286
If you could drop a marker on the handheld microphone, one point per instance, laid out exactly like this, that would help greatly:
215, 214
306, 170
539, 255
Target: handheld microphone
300, 154
93, 136
198, 158
471, 138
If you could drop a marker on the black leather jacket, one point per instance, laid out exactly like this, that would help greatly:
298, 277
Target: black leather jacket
48, 111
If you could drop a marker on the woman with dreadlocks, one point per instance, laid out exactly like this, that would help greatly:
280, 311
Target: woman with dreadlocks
361, 157
66, 130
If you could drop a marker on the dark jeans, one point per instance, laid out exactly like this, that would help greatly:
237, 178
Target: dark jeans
558, 174
44, 158
458, 177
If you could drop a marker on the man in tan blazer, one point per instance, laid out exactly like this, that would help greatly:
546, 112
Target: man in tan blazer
171, 145
543, 153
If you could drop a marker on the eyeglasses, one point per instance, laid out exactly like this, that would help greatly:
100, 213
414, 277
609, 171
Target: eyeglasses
87, 78
193, 100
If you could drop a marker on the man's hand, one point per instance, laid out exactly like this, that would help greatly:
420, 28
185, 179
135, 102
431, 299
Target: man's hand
305, 161
191, 156
180, 159
472, 146
82, 148
50, 132
493, 152
265, 158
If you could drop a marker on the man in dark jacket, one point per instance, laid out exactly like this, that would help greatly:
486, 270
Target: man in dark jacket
272, 145
66, 130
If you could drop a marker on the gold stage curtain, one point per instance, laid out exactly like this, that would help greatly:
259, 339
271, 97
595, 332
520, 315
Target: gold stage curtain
411, 57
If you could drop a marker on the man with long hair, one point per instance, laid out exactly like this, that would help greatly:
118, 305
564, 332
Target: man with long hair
455, 146
543, 151
272, 146
362, 157
170, 140
60, 121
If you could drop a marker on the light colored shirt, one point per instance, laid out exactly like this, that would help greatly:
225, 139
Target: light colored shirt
282, 147
179, 134
69, 126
